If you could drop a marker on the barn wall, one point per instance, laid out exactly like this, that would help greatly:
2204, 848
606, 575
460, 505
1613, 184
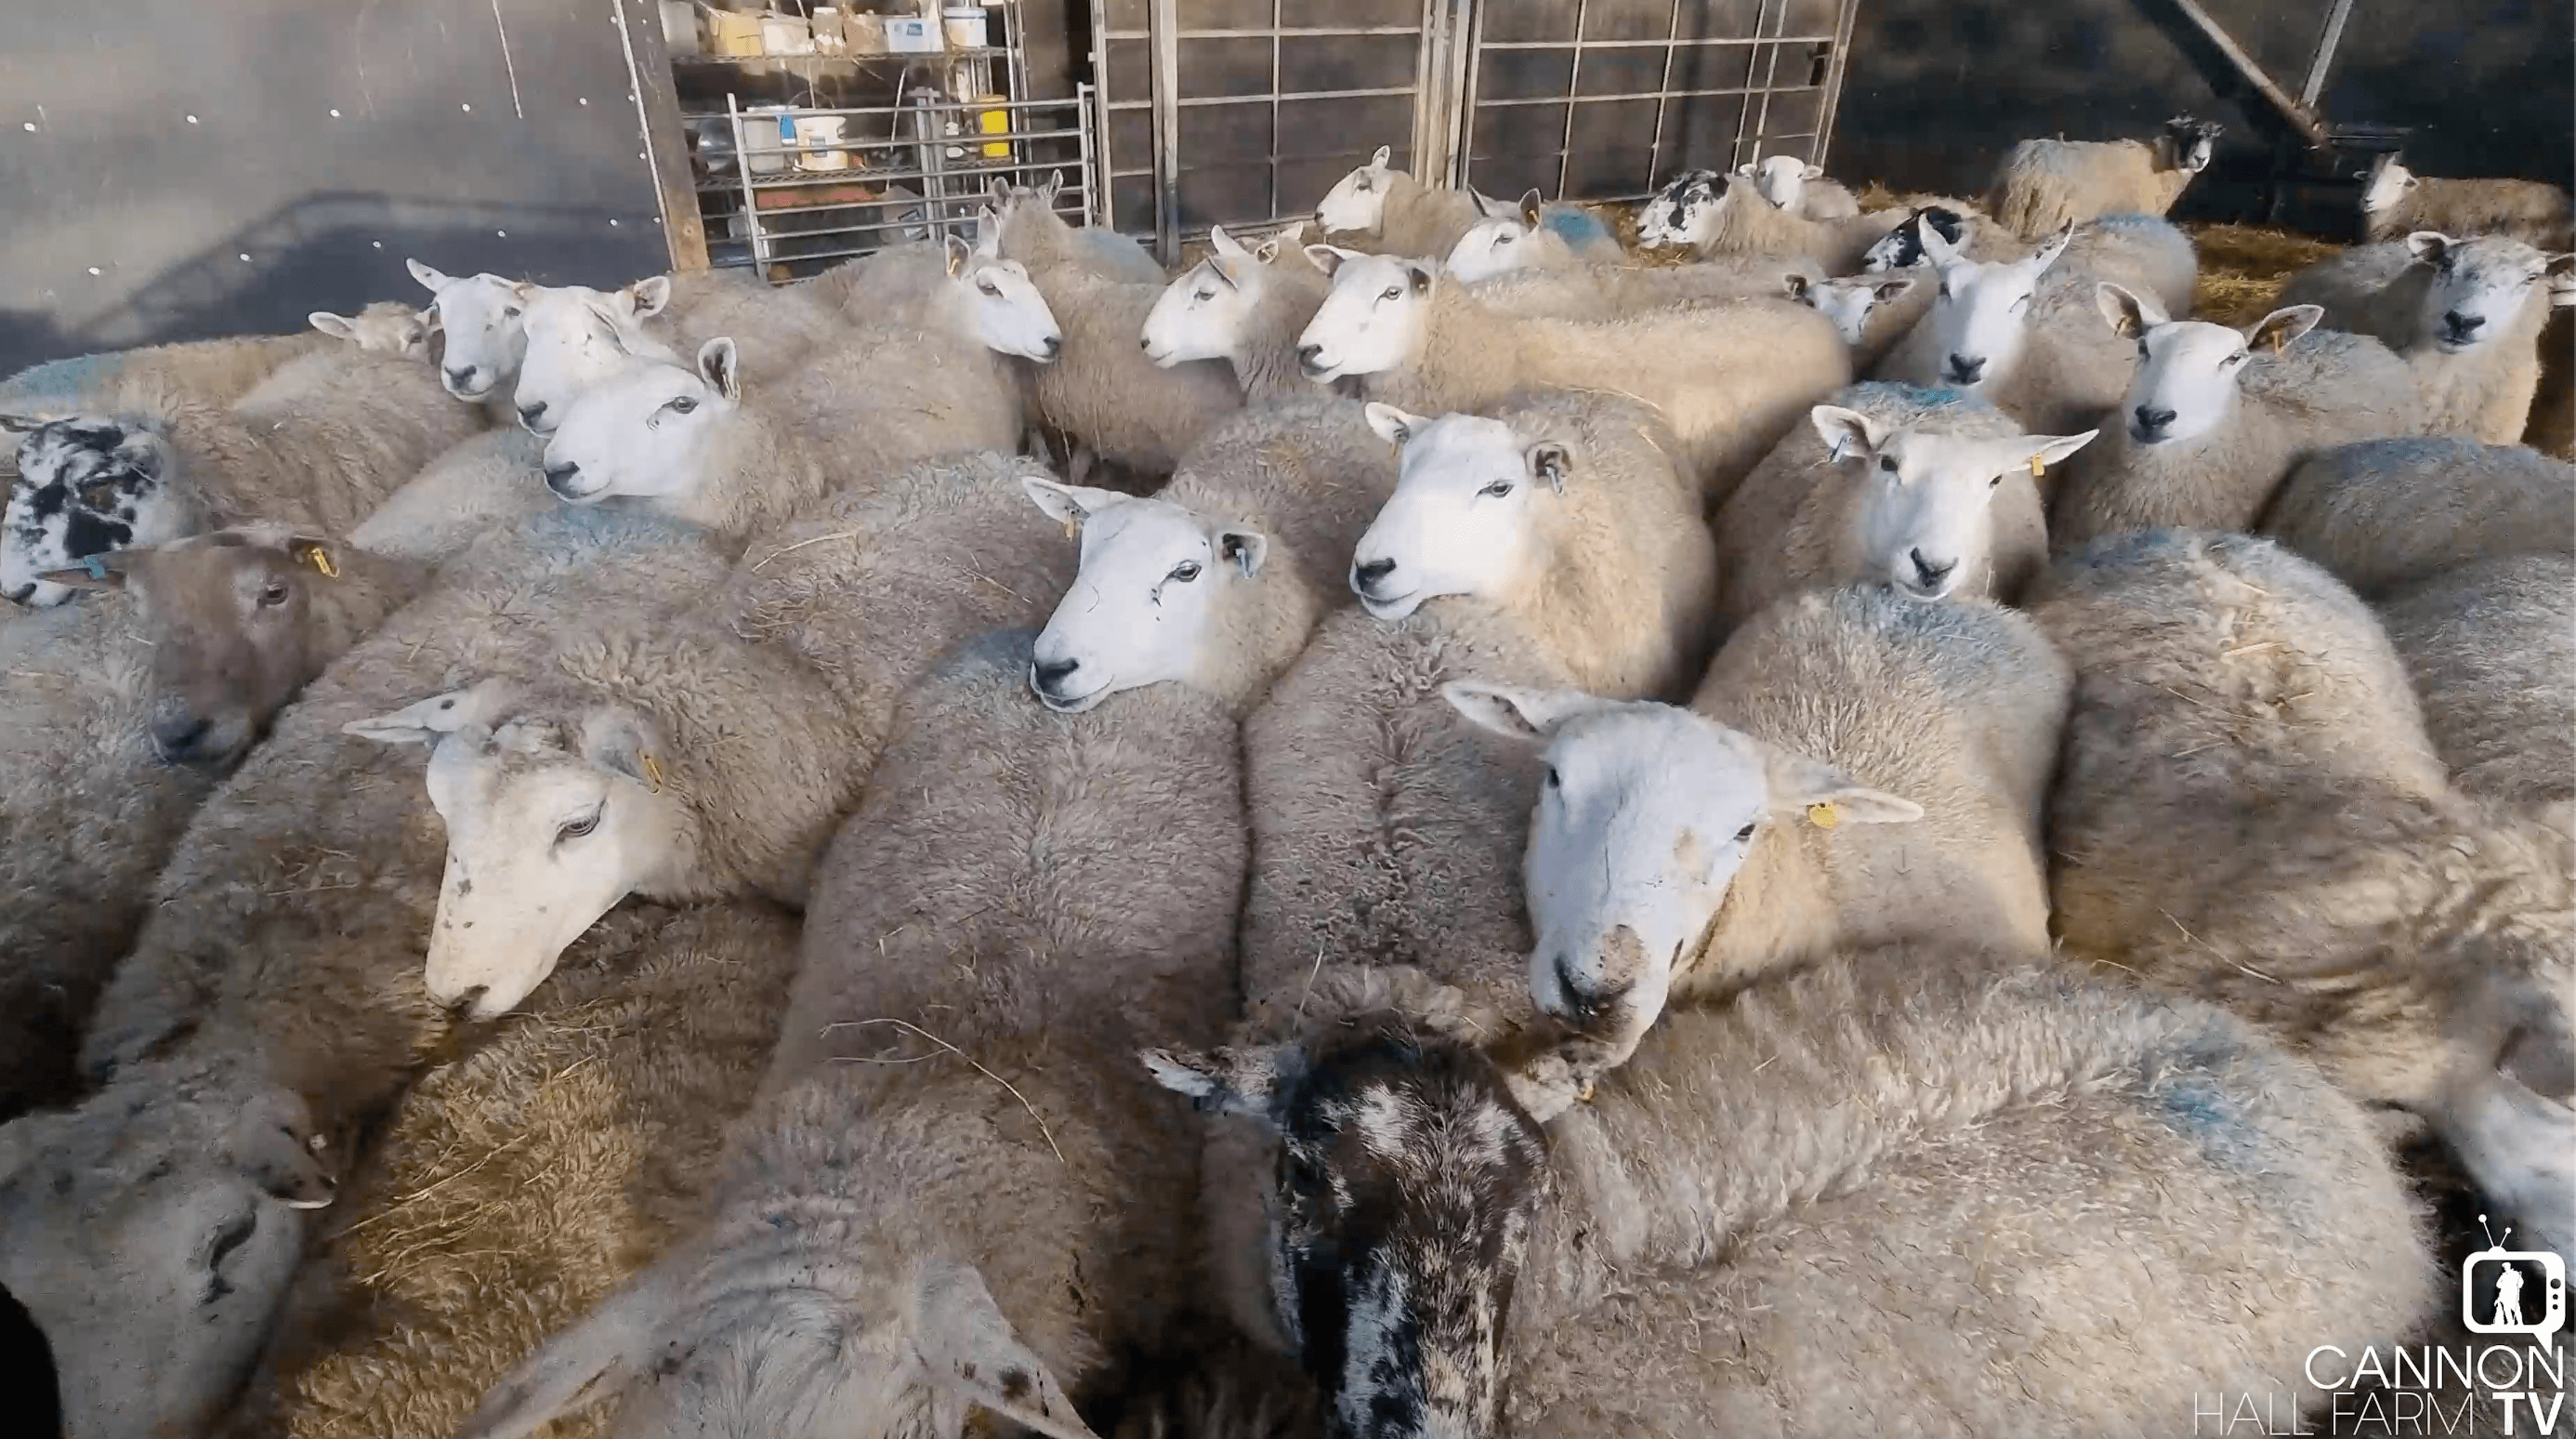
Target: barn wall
1939, 89
435, 153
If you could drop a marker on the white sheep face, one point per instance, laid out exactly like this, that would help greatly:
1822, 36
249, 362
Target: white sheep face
1981, 316
647, 433
1646, 816
1204, 314
2479, 286
85, 487
576, 339
2389, 183
2188, 370
552, 818
1848, 301
1462, 517
1924, 523
1011, 317
1374, 320
1782, 179
1357, 202
386, 327
1492, 247
1143, 605
482, 318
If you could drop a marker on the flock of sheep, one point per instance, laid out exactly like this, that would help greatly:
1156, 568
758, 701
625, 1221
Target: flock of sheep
1877, 832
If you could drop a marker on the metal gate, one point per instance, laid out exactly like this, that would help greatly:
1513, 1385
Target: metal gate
1243, 112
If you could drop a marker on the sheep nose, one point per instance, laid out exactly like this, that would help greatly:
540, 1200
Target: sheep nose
463, 1004
530, 414
1054, 346
1964, 370
176, 735
1310, 356
19, 595
460, 379
1365, 576
1049, 673
1931, 572
558, 476
2462, 325
2151, 420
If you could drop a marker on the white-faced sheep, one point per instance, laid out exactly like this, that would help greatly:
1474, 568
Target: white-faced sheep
217, 372
2247, 809
1022, 898
2384, 513
706, 444
1381, 211
318, 444
1788, 1214
483, 320
1734, 217
1799, 188
1930, 491
1533, 236
576, 338
1870, 312
2465, 314
1034, 233
1309, 473
1567, 512
1856, 769
1727, 381
2046, 185
1602, 292
276, 981
2027, 335
2398, 202
1244, 308
2215, 418
2491, 646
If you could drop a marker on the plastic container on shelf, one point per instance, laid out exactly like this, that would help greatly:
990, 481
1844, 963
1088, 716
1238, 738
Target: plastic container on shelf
822, 130
733, 33
680, 28
767, 131
912, 35
786, 35
965, 27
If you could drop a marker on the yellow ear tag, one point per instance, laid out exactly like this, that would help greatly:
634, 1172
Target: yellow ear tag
2277, 343
1823, 815
2038, 471
320, 559
653, 773
1070, 528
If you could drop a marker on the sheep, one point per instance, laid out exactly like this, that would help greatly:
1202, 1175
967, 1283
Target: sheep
2491, 647
217, 372
1728, 381
1380, 211
1659, 217
275, 982
1565, 511
490, 479
705, 444
1736, 218
2045, 185
1790, 1215
576, 338
1311, 474
2215, 418
1871, 313
1119, 403
483, 320
318, 444
1533, 237
1962, 224
2027, 335
1680, 853
600, 1117
1034, 233
1930, 491
1242, 309
1800, 189
2384, 513
2397, 202
2466, 316
2248, 809
1021, 900
1602, 292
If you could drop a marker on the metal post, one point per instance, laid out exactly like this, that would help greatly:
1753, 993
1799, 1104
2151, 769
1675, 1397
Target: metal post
2291, 110
1165, 24
1461, 36
1095, 204
752, 233
666, 140
1573, 85
934, 166
1663, 98
2326, 45
1835, 68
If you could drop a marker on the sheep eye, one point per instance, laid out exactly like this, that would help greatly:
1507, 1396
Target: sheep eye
1392, 293
1186, 571
1887, 463
1945, 289
1745, 835
1204, 296
582, 826
1553, 782
682, 405
510, 312
272, 594
2021, 303
1997, 480
1497, 489
989, 288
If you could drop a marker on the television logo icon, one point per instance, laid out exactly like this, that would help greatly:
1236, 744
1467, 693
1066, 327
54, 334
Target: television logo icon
2513, 1291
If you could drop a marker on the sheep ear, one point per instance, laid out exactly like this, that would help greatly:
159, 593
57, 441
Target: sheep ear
2055, 247
593, 1358
1225, 244
477, 704
720, 365
1378, 161
1247, 548
617, 738
1532, 716
2276, 330
97, 572
2044, 449
1937, 247
959, 254
2429, 246
1888, 292
1812, 172
1846, 432
1549, 462
988, 233
1800, 288
1827, 796
1530, 208
968, 1351
430, 280
1329, 258
1393, 425
336, 326
1749, 169
2128, 314
651, 295
1268, 253
1240, 1082
1070, 504
1420, 274
998, 193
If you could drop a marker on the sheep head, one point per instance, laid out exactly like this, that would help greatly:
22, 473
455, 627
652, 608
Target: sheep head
1646, 817
557, 806
2187, 144
2477, 287
1781, 178
1357, 202
1902, 247
1924, 523
1470, 496
1495, 246
1207, 313
2188, 370
2389, 182
1375, 318
1980, 320
574, 339
649, 432
86, 488
1847, 301
1161, 595
482, 318
151, 1234
1009, 315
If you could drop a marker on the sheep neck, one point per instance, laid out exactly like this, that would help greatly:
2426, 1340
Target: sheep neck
1467, 357
1265, 362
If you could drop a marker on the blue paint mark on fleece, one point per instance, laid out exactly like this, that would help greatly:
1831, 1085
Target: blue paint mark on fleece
2133, 222
62, 377
1921, 397
1576, 227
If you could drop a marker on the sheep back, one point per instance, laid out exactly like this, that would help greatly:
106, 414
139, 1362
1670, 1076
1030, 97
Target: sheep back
1310, 472
1104, 390
2491, 647
2532, 211
2381, 513
488, 480
2048, 183
214, 372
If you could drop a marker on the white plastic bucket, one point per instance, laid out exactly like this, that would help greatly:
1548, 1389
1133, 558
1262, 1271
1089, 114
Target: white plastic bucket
966, 27
767, 131
822, 130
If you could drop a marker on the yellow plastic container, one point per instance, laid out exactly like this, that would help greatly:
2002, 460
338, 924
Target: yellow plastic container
994, 122
730, 32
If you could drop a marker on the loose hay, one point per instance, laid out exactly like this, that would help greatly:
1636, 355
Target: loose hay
2242, 269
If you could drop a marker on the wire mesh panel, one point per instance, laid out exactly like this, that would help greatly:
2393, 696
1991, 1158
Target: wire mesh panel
1244, 112
1608, 99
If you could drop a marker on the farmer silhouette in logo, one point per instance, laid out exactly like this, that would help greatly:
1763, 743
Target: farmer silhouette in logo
2508, 1305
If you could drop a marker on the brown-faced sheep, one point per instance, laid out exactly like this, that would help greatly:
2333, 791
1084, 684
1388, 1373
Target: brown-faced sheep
1792, 1215
2491, 647
1566, 511
2384, 513
2398, 202
2047, 184
954, 1160
1728, 381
